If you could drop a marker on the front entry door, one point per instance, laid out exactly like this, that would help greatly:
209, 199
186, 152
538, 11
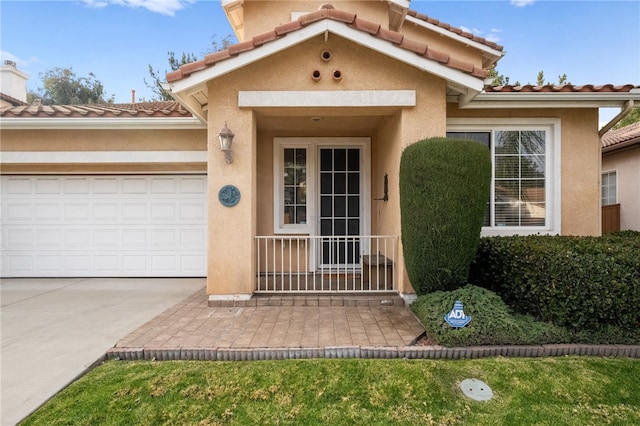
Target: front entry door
340, 206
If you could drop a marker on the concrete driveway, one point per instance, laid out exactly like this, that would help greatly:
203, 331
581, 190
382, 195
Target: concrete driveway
54, 329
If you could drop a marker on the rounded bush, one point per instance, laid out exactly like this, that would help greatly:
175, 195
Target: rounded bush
444, 188
492, 322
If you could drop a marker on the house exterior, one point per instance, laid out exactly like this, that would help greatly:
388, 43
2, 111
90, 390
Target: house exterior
620, 179
321, 99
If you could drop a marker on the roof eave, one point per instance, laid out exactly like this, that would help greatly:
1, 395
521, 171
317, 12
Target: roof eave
180, 89
98, 123
490, 56
550, 100
621, 145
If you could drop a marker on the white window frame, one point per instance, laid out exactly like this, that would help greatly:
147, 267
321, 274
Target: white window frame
608, 172
552, 128
312, 145
279, 145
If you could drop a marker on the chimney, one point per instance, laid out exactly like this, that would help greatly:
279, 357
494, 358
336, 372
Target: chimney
133, 96
13, 82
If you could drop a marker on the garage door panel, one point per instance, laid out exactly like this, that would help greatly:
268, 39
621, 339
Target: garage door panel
50, 238
104, 226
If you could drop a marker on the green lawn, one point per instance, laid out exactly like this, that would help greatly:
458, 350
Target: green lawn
540, 391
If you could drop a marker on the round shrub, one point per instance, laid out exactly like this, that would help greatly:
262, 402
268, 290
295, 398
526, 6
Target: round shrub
444, 188
492, 322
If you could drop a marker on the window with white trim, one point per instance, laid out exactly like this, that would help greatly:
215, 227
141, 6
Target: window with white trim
524, 160
609, 188
293, 176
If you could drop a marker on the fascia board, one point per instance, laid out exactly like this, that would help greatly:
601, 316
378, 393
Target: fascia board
446, 33
313, 30
101, 123
550, 100
401, 3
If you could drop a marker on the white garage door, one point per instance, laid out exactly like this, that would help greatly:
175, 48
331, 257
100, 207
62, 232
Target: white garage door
104, 226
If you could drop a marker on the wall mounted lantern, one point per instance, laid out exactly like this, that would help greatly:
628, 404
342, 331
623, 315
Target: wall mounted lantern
226, 138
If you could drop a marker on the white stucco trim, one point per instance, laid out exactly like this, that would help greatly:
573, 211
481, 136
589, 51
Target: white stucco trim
227, 297
62, 157
408, 298
102, 123
553, 163
336, 98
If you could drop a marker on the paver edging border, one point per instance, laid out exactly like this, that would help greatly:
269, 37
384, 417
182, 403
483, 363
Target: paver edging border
370, 352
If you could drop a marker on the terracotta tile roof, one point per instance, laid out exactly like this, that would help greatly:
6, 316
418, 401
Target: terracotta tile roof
10, 99
142, 109
327, 11
550, 88
457, 31
619, 138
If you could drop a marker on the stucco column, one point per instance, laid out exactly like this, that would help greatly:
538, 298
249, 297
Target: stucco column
231, 259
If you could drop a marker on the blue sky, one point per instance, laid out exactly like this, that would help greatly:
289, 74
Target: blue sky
593, 42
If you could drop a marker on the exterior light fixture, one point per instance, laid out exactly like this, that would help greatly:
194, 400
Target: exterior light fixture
226, 138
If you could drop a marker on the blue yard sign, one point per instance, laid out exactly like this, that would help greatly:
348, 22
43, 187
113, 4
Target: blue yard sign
456, 318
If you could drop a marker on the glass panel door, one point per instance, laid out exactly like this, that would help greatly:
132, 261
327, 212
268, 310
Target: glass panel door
340, 199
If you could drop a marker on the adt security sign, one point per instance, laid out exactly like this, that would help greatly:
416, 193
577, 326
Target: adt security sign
456, 318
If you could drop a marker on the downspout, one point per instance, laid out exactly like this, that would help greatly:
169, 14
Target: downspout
628, 106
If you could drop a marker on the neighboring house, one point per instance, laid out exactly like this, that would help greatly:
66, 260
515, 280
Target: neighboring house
322, 100
621, 179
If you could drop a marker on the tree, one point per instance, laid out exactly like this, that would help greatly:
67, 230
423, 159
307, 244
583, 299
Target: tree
632, 117
498, 79
157, 78
63, 87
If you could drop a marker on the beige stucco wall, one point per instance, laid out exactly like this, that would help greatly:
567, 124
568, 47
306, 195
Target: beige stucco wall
261, 16
626, 163
80, 140
580, 162
232, 230
103, 140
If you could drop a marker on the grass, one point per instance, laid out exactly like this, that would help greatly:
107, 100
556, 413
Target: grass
544, 391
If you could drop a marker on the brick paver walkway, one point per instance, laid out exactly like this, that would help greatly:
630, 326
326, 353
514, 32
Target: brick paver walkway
309, 327
193, 324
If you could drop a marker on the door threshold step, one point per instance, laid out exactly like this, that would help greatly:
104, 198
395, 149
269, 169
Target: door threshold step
315, 299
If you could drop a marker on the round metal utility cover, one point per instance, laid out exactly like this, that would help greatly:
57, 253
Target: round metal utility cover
476, 389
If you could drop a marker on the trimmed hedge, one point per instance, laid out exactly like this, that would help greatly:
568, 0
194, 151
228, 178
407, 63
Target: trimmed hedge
581, 283
444, 187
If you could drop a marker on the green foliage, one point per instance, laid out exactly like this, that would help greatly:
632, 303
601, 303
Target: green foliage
157, 78
498, 79
444, 187
63, 87
540, 391
582, 283
492, 322
632, 117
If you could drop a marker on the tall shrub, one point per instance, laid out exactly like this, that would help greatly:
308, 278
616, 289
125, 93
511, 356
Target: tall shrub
444, 188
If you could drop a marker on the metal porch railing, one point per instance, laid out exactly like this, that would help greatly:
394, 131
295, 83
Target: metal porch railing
311, 264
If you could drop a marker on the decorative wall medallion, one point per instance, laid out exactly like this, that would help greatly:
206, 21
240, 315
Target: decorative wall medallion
229, 195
